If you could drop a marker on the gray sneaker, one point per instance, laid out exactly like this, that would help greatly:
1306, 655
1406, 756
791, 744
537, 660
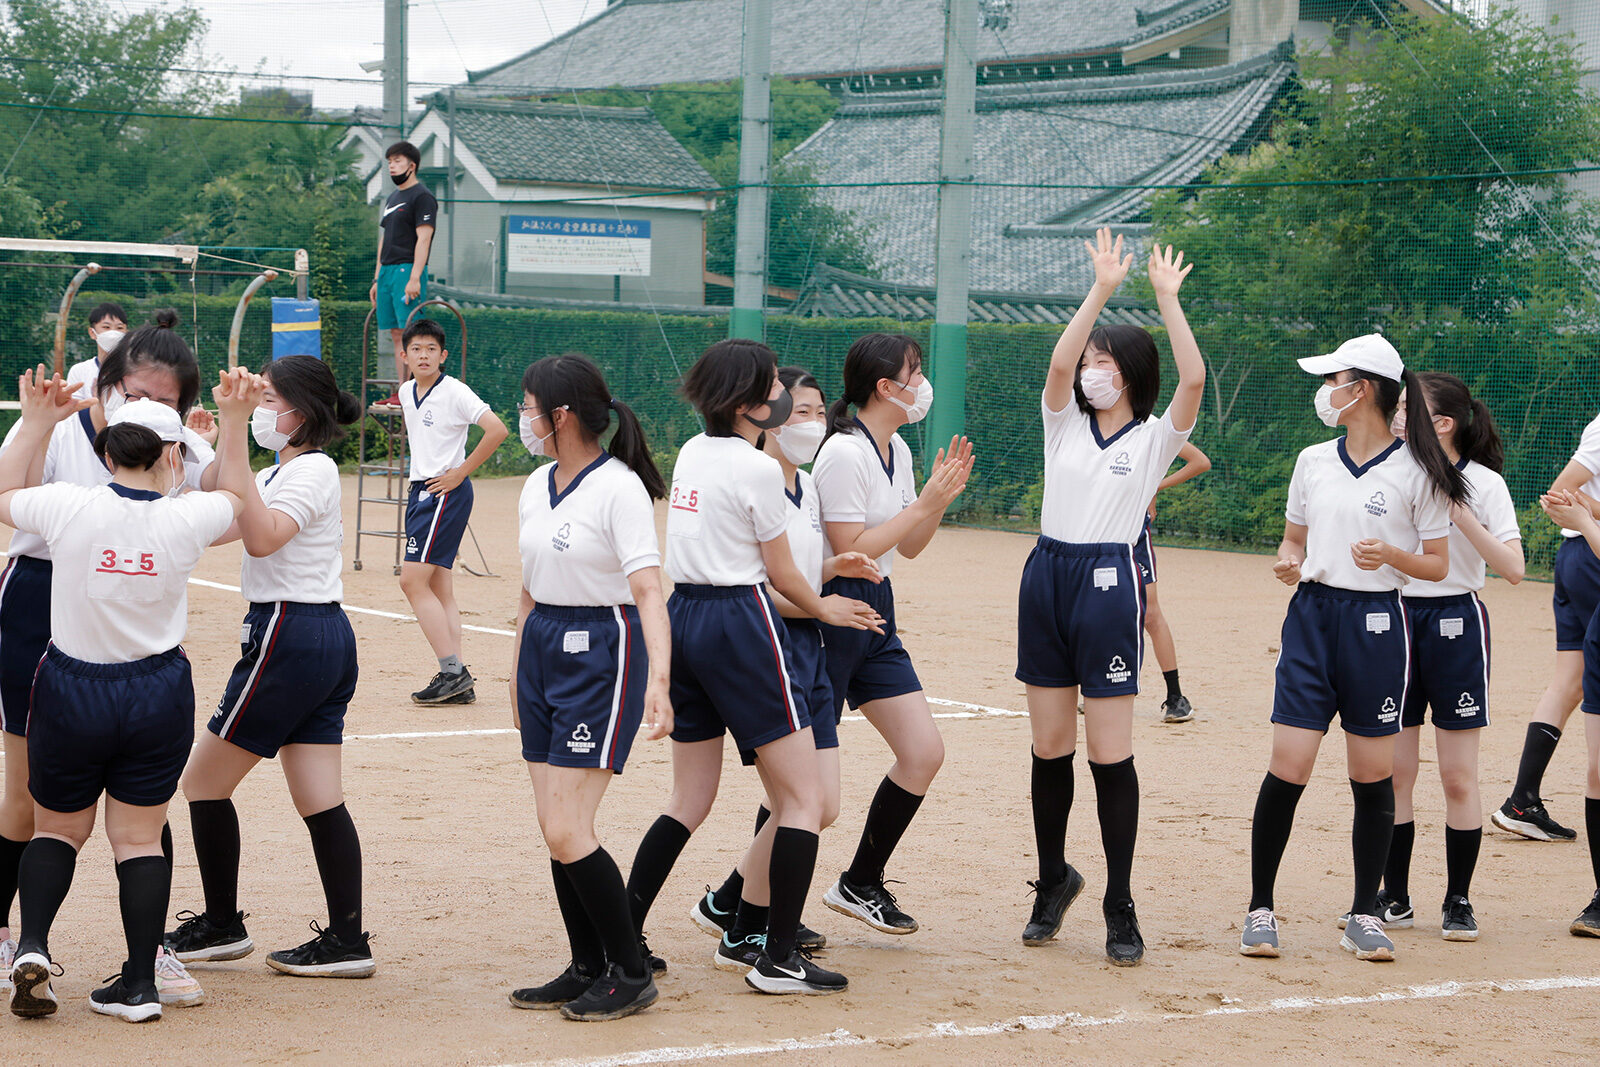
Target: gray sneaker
446, 688
1260, 937
1365, 937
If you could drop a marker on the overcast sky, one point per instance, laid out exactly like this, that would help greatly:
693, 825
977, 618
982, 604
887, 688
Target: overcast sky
329, 38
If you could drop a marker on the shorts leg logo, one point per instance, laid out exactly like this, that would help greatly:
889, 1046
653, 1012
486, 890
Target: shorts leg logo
1467, 707
1117, 671
1388, 713
581, 741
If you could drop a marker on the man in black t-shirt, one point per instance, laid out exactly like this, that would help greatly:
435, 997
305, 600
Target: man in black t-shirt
405, 237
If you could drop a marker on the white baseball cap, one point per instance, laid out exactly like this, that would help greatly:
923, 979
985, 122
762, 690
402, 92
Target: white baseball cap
1370, 353
153, 416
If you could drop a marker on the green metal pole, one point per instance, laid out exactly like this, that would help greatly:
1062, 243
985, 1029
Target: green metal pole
748, 318
948, 365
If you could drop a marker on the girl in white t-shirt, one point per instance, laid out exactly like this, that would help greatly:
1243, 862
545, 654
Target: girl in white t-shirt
296, 672
113, 700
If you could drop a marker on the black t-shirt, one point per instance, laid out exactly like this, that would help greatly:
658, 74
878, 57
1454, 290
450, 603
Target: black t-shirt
405, 210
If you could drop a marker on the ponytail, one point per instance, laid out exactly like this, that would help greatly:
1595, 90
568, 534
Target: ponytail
839, 419
1476, 437
629, 445
1425, 446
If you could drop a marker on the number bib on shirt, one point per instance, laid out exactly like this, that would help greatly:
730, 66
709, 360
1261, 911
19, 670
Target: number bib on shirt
122, 573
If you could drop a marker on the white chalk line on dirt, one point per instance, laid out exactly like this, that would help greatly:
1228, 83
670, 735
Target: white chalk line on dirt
1070, 1021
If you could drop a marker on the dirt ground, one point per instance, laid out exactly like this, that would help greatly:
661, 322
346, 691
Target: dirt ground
459, 901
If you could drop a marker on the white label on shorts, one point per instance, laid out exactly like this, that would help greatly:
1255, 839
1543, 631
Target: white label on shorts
1105, 577
1378, 622
1452, 627
575, 641
244, 634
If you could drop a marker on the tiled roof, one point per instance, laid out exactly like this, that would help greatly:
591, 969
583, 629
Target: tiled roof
655, 42
835, 293
1054, 155
623, 147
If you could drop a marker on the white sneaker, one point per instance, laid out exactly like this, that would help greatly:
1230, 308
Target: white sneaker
31, 995
8, 956
178, 988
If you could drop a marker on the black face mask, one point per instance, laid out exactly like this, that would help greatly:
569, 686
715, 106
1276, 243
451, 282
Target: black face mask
778, 412
401, 179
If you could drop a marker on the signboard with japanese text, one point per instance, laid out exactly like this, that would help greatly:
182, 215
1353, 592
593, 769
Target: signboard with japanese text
550, 244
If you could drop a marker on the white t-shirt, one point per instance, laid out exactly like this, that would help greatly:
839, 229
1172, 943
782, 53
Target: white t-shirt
580, 545
1098, 490
82, 376
854, 484
436, 424
70, 458
726, 501
807, 542
1491, 502
1588, 454
122, 563
1389, 499
308, 568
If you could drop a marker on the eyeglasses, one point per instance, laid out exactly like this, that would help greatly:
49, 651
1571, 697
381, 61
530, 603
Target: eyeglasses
534, 413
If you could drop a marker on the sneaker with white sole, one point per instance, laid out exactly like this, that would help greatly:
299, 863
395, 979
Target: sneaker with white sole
738, 957
1396, 914
1531, 821
1178, 709
200, 939
797, 974
1459, 924
1587, 924
176, 986
326, 956
130, 1003
8, 956
1364, 936
708, 918
872, 903
31, 995
1260, 936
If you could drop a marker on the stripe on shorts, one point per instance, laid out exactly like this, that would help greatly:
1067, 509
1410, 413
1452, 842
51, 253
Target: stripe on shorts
777, 652
1483, 644
269, 637
619, 691
1405, 629
438, 510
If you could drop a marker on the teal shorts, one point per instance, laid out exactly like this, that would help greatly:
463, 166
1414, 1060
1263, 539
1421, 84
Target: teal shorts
393, 308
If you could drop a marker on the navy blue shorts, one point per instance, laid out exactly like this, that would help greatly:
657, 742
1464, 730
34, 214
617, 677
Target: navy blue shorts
1577, 592
24, 633
1080, 618
1591, 667
1347, 653
581, 676
1144, 554
1449, 662
120, 728
730, 668
808, 666
294, 679
864, 666
435, 524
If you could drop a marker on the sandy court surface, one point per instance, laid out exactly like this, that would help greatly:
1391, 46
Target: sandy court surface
458, 894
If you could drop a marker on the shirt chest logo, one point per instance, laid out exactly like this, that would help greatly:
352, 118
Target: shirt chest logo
427, 417
1377, 504
563, 538
816, 521
1121, 465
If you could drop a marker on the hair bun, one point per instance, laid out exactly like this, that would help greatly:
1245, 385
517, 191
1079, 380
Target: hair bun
165, 319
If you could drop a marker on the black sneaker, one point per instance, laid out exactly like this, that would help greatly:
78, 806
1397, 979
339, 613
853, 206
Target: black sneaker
569, 986
1395, 914
612, 996
1050, 904
1585, 925
200, 940
797, 974
1530, 821
705, 915
31, 994
130, 1003
1178, 709
468, 696
809, 939
738, 957
1124, 945
445, 684
872, 903
657, 964
326, 956
1459, 923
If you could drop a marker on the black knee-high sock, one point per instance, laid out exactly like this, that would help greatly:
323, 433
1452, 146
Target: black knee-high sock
1537, 748
605, 899
891, 811
43, 878
1269, 835
659, 850
794, 860
725, 898
1461, 855
1171, 677
1397, 871
1370, 833
1052, 802
167, 852
214, 824
750, 922
587, 951
144, 888
338, 851
1116, 789
1591, 823
10, 858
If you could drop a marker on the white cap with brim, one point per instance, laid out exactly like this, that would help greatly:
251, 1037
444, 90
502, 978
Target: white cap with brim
153, 416
1371, 353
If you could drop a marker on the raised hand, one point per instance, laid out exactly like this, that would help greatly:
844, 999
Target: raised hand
237, 393
46, 399
1110, 265
1167, 271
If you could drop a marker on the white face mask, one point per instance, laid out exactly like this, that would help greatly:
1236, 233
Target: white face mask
114, 399
264, 428
800, 441
1099, 388
108, 339
530, 440
1324, 404
918, 408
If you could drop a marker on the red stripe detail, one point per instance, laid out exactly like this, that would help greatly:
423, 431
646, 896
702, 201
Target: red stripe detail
261, 670
34, 687
622, 698
777, 661
433, 528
